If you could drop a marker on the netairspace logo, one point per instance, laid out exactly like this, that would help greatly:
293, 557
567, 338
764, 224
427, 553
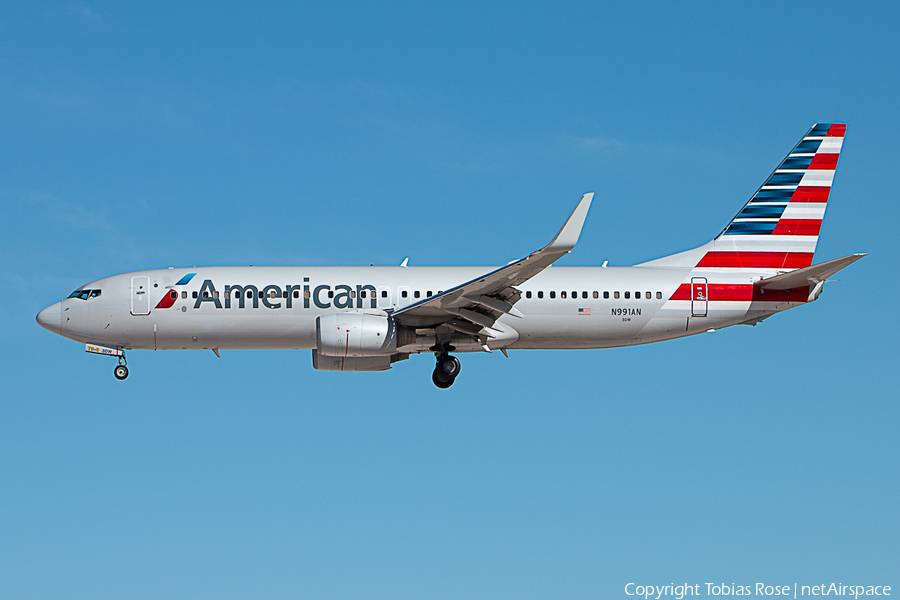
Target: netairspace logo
678, 592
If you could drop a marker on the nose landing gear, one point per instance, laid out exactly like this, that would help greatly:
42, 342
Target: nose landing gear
121, 370
446, 369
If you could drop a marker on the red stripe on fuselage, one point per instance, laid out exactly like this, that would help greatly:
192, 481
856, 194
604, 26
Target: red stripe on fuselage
757, 260
727, 292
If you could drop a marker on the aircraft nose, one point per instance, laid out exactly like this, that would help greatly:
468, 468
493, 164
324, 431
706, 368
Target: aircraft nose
50, 318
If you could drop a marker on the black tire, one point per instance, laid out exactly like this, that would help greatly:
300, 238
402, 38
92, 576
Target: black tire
449, 367
439, 381
121, 372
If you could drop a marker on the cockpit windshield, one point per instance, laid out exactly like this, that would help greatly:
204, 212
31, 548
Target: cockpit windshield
85, 294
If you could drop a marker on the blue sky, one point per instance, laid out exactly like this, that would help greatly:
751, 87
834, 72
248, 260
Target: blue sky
146, 136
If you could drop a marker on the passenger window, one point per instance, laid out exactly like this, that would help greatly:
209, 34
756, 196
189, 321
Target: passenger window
173, 295
540, 294
637, 295
562, 295
596, 295
528, 295
307, 294
416, 294
574, 295
606, 295
194, 295
183, 295
362, 294
353, 293
296, 294
215, 294
428, 293
616, 295
553, 294
648, 296
627, 295
384, 293
659, 295
584, 295
249, 294
272, 294
331, 293
404, 294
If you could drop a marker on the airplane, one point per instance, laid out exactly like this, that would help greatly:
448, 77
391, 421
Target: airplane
368, 318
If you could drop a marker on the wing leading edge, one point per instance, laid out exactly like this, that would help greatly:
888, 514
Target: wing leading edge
474, 306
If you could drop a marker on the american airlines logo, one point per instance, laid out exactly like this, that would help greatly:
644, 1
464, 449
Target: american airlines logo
276, 296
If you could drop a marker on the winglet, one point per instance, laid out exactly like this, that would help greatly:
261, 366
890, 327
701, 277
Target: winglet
567, 236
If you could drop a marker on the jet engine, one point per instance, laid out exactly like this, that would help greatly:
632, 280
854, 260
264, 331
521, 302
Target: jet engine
360, 334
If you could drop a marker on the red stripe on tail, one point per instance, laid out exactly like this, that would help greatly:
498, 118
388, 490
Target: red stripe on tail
757, 260
811, 194
798, 227
826, 162
837, 130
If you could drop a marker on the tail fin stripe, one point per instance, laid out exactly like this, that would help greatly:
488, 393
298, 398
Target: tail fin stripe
811, 194
751, 227
797, 227
779, 178
824, 161
797, 162
773, 196
806, 210
831, 146
807, 146
763, 211
757, 260
815, 177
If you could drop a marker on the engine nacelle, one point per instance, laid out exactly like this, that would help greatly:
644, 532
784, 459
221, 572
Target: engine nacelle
359, 334
339, 363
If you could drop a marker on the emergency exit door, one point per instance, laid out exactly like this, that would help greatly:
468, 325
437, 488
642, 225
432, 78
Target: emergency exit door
140, 295
699, 297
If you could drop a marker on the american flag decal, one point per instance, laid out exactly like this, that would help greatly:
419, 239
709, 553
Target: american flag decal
584, 311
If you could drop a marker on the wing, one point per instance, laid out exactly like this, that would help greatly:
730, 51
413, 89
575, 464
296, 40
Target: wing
474, 306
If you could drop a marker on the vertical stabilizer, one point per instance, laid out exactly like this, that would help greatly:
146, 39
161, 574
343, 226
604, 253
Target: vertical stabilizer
779, 227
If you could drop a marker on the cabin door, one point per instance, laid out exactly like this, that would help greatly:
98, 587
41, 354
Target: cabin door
140, 295
699, 297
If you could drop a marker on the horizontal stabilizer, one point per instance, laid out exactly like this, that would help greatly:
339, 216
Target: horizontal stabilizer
808, 276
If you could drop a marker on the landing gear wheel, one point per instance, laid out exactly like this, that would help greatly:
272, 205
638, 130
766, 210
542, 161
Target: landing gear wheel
445, 371
449, 366
121, 372
440, 381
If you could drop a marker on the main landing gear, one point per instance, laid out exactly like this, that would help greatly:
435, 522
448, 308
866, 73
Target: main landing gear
446, 369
